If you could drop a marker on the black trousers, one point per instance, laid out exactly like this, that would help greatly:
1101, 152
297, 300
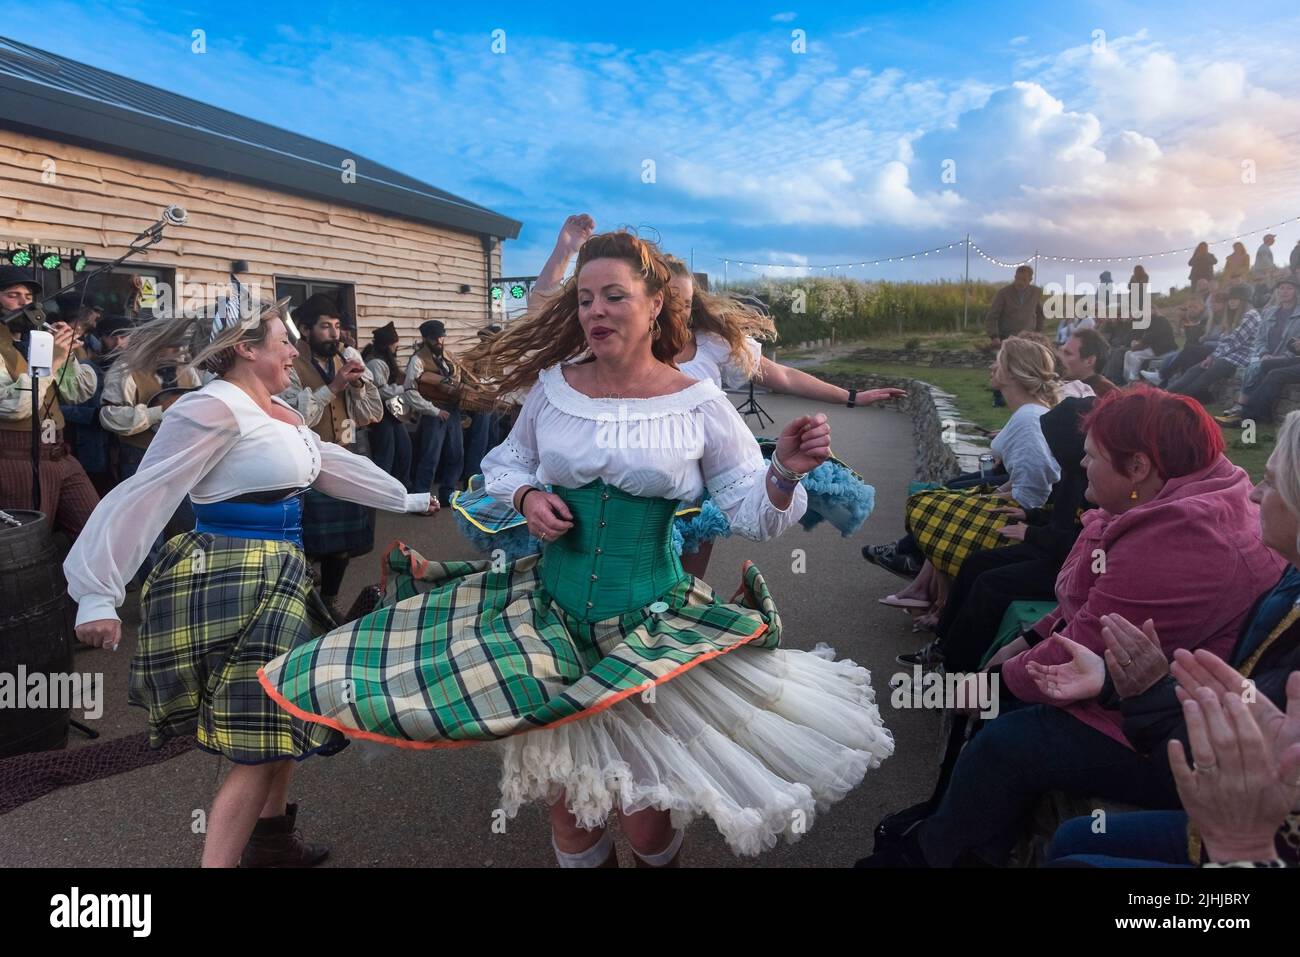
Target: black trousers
989, 581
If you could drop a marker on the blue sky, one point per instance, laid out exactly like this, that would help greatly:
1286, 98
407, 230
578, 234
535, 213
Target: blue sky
1095, 130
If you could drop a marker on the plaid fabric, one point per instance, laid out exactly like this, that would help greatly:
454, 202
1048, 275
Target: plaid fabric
331, 526
949, 524
67, 495
213, 611
472, 654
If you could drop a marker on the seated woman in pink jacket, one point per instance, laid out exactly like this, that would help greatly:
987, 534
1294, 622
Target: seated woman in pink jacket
1175, 540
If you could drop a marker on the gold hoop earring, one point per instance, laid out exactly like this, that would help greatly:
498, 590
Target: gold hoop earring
1133, 495
655, 330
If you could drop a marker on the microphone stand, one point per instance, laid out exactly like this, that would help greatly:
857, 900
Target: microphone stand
151, 236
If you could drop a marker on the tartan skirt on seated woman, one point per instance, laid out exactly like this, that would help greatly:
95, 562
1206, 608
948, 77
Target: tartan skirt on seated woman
213, 611
950, 524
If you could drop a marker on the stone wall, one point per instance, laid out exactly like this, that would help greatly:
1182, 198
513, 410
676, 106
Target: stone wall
933, 358
936, 459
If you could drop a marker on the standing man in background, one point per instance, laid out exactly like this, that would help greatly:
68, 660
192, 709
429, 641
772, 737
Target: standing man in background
1016, 308
390, 445
439, 440
67, 497
332, 390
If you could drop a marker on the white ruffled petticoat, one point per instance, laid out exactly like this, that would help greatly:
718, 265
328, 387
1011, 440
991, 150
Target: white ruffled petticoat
758, 740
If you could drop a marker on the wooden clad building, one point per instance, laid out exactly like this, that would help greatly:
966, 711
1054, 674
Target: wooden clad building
88, 159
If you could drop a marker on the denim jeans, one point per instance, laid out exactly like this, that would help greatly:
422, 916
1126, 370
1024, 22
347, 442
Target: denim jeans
1199, 381
1276, 375
476, 442
1135, 839
439, 453
390, 447
1020, 756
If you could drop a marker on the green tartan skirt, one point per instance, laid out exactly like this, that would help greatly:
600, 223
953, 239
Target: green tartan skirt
213, 611
950, 524
686, 705
465, 652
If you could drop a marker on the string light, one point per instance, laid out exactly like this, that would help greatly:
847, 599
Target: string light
1009, 264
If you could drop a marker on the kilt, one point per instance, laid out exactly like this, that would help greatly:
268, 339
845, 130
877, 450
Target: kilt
950, 524
67, 494
686, 705
214, 610
331, 526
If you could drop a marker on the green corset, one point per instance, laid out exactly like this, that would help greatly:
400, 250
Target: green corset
617, 557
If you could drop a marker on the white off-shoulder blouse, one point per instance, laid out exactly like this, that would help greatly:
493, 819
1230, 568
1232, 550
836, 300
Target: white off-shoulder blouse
212, 445
712, 361
671, 446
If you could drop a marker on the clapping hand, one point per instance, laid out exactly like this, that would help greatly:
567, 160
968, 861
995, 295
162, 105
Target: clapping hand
1241, 785
1133, 655
1079, 679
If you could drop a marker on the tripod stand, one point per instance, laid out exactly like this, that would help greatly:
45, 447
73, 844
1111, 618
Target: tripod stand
751, 407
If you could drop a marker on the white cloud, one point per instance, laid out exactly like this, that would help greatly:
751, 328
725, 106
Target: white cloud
784, 17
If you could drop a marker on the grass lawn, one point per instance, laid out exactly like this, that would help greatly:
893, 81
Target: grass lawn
970, 387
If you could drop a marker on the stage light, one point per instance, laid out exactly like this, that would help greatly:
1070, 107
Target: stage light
497, 293
79, 263
20, 257
51, 261
518, 291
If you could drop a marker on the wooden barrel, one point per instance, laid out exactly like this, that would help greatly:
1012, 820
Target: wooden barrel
35, 633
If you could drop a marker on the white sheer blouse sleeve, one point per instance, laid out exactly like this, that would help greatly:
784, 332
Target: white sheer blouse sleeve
736, 475
197, 431
354, 478
513, 463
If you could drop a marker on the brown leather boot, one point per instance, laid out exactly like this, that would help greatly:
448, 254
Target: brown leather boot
275, 843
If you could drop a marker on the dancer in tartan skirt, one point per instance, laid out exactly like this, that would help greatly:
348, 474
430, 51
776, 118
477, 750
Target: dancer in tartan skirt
615, 681
722, 347
234, 593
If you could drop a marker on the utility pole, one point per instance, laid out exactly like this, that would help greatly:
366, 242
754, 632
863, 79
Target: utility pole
965, 305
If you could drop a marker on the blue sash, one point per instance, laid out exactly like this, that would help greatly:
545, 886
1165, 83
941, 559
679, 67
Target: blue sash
275, 521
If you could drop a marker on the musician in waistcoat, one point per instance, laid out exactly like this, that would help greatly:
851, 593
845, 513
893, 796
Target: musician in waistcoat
93, 445
67, 496
133, 406
439, 439
331, 388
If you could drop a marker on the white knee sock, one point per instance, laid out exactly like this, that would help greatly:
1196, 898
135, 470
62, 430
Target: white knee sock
593, 856
667, 854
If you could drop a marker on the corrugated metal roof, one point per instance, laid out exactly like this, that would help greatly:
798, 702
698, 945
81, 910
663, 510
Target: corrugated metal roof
67, 100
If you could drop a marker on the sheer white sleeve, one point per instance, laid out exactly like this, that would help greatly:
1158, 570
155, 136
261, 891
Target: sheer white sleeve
736, 475
354, 478
513, 463
196, 433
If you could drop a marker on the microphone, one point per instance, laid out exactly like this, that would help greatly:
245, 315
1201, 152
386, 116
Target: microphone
175, 215
31, 316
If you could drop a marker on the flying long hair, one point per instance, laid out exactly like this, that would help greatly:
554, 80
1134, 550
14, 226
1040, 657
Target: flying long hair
539, 340
201, 348
727, 318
